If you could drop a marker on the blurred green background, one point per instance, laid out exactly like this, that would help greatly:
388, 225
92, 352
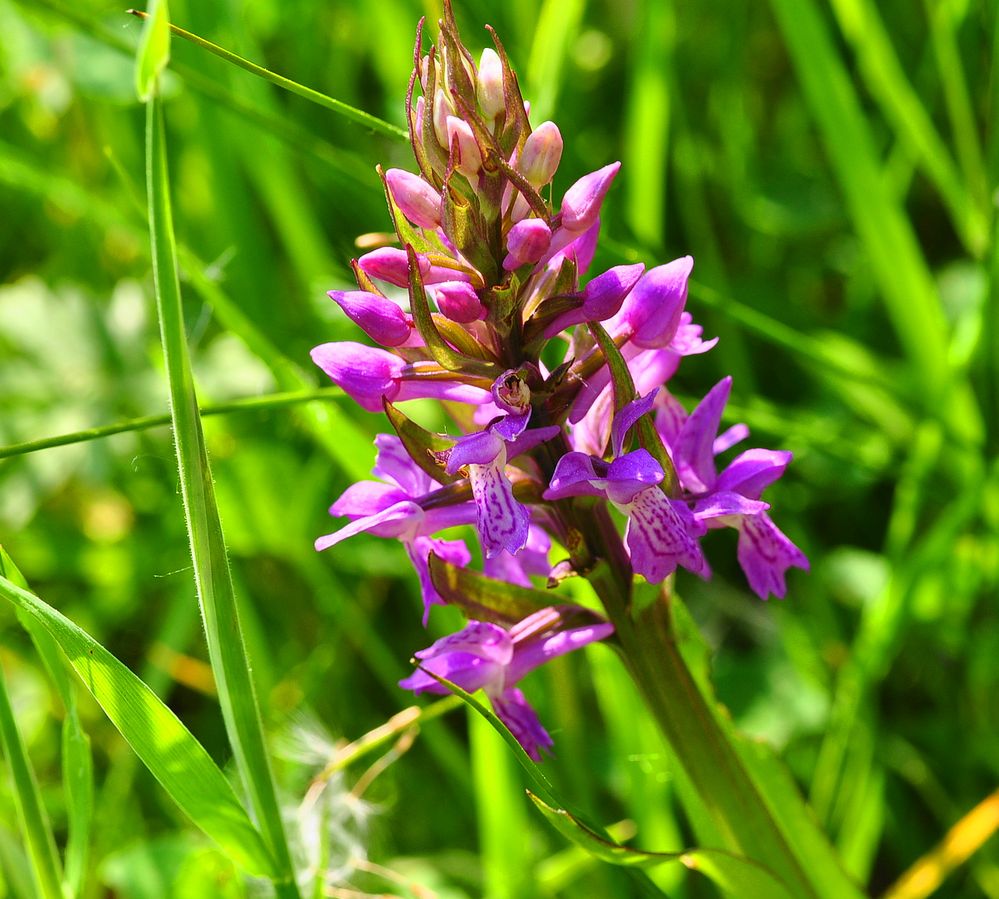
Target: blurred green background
830, 164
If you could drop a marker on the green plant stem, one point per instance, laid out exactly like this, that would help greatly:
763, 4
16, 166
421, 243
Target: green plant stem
144, 423
226, 646
338, 106
34, 822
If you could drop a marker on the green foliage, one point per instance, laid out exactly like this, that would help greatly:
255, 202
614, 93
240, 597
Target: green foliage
830, 166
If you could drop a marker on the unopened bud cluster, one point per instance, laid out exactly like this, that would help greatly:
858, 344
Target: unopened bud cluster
491, 273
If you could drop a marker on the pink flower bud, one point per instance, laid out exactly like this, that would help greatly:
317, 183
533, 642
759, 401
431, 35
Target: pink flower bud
526, 242
458, 301
442, 109
489, 84
390, 264
542, 154
581, 203
381, 319
419, 202
652, 311
364, 373
603, 296
469, 155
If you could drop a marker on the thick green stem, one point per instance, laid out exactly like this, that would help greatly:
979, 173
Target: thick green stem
652, 654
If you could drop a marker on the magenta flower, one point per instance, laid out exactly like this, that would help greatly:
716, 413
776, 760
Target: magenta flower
485, 656
732, 498
381, 319
391, 507
662, 532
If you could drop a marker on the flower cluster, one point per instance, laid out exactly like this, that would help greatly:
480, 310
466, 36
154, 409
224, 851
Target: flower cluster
558, 387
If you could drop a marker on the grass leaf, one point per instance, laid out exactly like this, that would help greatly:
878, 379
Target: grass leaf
154, 49
226, 645
167, 748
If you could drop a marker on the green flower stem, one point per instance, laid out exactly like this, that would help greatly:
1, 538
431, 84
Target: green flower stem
651, 650
34, 822
226, 646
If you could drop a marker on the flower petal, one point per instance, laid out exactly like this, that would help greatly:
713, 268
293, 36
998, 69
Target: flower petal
723, 503
630, 474
368, 498
394, 521
480, 448
627, 417
419, 549
502, 522
694, 456
662, 534
574, 475
765, 554
514, 711
394, 464
751, 472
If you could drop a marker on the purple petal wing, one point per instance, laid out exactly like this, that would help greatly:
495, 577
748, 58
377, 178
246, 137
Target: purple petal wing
474, 449
574, 475
394, 521
694, 456
751, 472
729, 438
367, 498
626, 418
630, 474
419, 549
394, 464
725, 504
765, 554
532, 653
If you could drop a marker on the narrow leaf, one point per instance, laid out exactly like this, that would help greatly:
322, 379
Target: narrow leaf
421, 444
226, 646
740, 877
167, 748
484, 598
34, 821
154, 49
77, 759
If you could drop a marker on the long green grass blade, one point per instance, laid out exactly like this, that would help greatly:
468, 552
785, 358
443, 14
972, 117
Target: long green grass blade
647, 122
154, 48
77, 759
35, 828
348, 112
167, 748
226, 645
557, 27
862, 25
898, 264
144, 423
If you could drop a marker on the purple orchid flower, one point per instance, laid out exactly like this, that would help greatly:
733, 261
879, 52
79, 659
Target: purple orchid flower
390, 507
501, 520
732, 498
662, 532
489, 657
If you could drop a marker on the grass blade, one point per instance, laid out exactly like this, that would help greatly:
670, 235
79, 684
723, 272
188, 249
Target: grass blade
77, 759
897, 261
348, 112
274, 400
167, 748
34, 821
862, 25
557, 27
226, 644
154, 49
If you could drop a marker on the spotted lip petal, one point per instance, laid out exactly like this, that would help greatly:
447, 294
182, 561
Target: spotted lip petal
502, 521
765, 553
661, 535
